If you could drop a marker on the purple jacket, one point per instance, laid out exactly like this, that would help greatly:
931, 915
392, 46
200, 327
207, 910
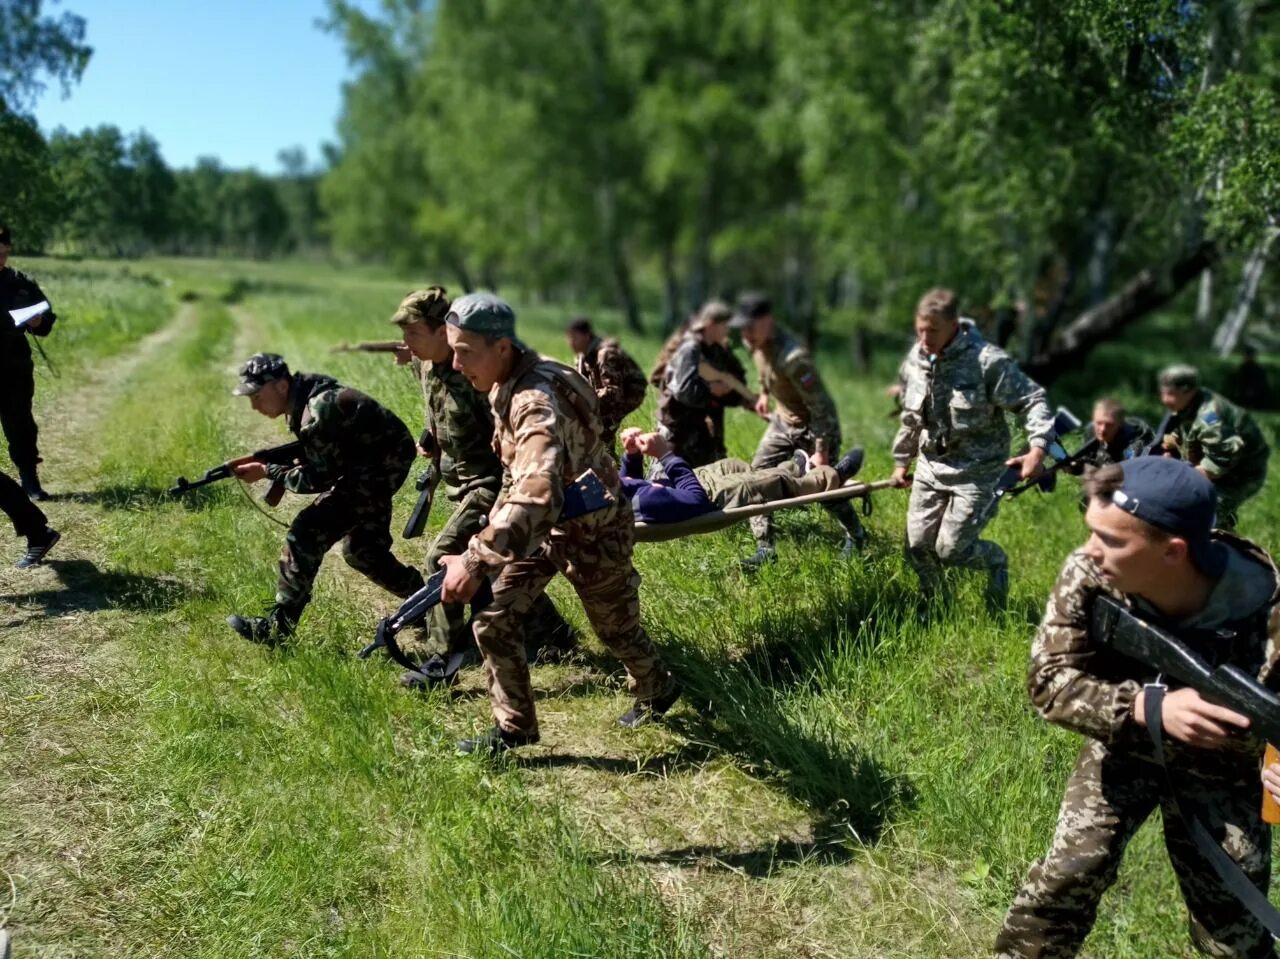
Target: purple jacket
678, 497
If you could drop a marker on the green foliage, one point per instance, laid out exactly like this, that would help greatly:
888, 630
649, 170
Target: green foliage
34, 44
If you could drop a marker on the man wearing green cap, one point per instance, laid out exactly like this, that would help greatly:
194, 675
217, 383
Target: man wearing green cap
548, 433
459, 435
1215, 436
357, 453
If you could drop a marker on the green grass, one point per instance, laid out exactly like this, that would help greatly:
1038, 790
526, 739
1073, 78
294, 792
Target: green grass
841, 780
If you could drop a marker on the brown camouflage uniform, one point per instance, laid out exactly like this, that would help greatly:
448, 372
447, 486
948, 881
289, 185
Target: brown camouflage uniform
617, 379
357, 455
804, 418
691, 416
953, 426
460, 423
547, 433
1117, 782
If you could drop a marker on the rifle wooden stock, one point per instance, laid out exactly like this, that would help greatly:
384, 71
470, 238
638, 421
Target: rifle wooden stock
713, 375
369, 346
1270, 808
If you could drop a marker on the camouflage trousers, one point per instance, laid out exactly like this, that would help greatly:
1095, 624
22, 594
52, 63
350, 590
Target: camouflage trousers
779, 444
594, 554
944, 524
448, 625
731, 482
1231, 496
1111, 792
360, 516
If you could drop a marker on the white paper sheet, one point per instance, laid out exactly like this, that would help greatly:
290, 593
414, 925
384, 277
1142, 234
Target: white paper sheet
28, 312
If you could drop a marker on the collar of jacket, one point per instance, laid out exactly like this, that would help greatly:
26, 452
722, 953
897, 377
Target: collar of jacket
302, 387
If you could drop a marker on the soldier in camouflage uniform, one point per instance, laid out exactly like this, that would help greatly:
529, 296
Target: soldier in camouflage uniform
804, 416
357, 454
1152, 548
459, 435
547, 433
1120, 437
17, 372
617, 379
1215, 436
691, 408
957, 388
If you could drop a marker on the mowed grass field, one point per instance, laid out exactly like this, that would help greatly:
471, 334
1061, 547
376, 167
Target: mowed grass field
840, 780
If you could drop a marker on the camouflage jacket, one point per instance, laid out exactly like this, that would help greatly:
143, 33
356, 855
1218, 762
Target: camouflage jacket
617, 379
460, 422
953, 407
1221, 438
787, 373
16, 291
684, 385
347, 437
547, 432
1077, 682
1133, 439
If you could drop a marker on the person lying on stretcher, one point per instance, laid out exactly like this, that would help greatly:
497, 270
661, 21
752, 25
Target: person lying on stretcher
724, 484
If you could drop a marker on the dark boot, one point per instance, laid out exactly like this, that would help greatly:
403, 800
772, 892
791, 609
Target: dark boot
31, 485
644, 712
269, 630
38, 547
495, 741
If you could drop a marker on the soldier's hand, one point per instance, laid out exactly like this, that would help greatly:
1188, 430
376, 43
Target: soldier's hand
1271, 780
629, 438
250, 471
1032, 463
36, 322
404, 356
1191, 719
654, 444
899, 477
819, 458
459, 585
762, 405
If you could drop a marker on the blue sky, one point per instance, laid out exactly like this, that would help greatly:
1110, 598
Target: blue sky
234, 79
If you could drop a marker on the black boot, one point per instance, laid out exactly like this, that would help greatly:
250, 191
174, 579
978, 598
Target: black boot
269, 630
495, 741
38, 547
31, 485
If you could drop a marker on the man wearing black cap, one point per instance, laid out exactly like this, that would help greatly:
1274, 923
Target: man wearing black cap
804, 416
17, 372
357, 454
1153, 548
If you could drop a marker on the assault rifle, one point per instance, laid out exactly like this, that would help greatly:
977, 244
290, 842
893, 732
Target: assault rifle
1064, 422
584, 495
374, 346
285, 455
1115, 625
714, 375
1158, 447
426, 485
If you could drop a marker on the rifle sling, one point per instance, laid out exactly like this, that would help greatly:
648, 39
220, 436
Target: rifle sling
1232, 876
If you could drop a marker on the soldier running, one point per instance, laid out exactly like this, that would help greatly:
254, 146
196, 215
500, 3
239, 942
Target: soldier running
547, 431
357, 454
956, 390
804, 416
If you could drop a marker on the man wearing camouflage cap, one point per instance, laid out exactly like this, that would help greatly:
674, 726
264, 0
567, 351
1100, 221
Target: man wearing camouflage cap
691, 407
956, 390
619, 382
459, 435
547, 432
804, 416
1215, 436
357, 454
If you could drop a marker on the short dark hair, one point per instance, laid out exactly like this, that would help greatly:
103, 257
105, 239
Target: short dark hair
580, 324
939, 303
1110, 405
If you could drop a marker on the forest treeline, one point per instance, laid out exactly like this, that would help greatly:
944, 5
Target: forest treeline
1069, 165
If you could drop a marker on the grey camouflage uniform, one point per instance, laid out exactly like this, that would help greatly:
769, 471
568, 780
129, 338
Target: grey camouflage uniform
953, 426
460, 423
547, 432
804, 418
1117, 783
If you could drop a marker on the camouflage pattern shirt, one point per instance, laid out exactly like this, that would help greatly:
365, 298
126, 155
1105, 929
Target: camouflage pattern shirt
16, 291
788, 374
347, 437
460, 422
547, 432
1077, 682
1221, 438
953, 407
617, 379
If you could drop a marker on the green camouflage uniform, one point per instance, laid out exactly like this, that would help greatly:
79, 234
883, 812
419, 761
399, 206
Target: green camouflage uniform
1224, 441
357, 454
619, 383
804, 418
460, 423
691, 416
1117, 782
953, 426
547, 433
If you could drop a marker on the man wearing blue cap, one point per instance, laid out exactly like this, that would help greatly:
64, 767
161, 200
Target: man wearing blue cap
1153, 548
